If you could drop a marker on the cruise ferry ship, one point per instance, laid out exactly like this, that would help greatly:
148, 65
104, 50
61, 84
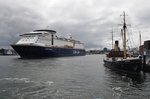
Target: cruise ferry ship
45, 43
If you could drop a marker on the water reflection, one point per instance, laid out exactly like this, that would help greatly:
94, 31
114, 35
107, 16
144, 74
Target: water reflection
129, 77
125, 84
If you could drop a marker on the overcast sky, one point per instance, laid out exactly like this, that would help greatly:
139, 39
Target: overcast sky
89, 21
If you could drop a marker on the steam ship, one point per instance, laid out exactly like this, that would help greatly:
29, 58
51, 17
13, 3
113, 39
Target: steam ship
45, 43
121, 60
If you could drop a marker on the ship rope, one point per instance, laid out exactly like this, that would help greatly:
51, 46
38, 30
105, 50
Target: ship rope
120, 34
130, 40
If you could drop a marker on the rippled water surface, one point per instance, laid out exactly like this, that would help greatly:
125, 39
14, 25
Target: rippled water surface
81, 77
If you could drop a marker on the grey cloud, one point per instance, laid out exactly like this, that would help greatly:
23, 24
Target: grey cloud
16, 20
89, 21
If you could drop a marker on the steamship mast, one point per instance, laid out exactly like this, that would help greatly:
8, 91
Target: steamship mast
124, 36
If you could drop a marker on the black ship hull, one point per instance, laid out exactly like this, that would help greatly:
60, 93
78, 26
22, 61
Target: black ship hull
133, 65
32, 51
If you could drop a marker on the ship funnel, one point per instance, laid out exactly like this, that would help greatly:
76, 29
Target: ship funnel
116, 46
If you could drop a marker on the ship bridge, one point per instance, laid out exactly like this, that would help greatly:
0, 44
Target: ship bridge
49, 31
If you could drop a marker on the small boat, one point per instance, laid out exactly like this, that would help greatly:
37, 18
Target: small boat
121, 60
45, 43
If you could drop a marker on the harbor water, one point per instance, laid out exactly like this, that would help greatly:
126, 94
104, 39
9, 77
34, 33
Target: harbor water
81, 77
